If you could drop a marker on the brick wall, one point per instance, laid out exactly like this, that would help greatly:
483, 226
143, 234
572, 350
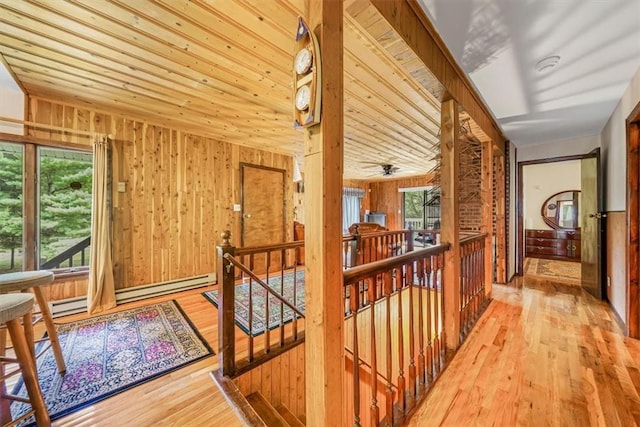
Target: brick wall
470, 176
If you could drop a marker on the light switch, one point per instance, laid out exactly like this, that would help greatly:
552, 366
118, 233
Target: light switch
236, 208
122, 187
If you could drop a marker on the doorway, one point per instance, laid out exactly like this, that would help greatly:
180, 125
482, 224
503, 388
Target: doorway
556, 230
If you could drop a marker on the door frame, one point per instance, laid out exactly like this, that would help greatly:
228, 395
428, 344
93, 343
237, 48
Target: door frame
519, 214
244, 165
633, 222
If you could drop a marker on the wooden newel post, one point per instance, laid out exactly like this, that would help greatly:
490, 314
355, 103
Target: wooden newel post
226, 298
410, 241
356, 247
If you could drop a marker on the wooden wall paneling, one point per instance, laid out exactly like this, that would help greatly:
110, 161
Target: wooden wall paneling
180, 191
57, 119
277, 384
616, 256
67, 288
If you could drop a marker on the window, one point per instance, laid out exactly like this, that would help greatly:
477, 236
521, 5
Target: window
46, 220
64, 208
350, 207
11, 228
422, 209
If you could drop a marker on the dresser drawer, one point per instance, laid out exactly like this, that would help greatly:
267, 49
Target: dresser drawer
541, 234
567, 234
538, 241
541, 250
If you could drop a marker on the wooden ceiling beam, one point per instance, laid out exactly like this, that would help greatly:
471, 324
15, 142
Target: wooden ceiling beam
410, 22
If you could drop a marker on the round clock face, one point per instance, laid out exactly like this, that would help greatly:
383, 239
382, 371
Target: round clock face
302, 62
303, 97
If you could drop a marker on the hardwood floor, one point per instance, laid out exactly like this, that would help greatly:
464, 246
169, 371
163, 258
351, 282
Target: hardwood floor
186, 397
542, 354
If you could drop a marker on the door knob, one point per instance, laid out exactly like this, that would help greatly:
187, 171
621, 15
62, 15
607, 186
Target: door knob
597, 215
247, 215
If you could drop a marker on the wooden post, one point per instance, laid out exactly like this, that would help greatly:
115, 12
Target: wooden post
450, 214
226, 298
324, 337
487, 214
501, 223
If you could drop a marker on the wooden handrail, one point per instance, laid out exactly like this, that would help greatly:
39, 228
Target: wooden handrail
361, 272
266, 287
249, 250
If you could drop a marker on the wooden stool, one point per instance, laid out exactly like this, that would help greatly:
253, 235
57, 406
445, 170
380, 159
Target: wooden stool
12, 308
23, 281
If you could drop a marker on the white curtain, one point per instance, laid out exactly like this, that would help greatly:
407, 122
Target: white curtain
350, 207
101, 294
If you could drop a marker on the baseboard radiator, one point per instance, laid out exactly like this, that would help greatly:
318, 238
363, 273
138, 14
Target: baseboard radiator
79, 304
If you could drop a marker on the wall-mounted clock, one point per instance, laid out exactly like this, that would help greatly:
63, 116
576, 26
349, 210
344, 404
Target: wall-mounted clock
303, 60
303, 97
306, 78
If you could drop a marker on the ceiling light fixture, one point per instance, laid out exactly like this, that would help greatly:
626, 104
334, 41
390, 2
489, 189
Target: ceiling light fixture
546, 64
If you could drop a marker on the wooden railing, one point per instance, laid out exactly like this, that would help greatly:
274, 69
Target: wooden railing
262, 271
68, 255
395, 324
394, 315
473, 299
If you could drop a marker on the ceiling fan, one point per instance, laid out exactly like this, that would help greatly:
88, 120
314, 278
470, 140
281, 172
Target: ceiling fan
387, 169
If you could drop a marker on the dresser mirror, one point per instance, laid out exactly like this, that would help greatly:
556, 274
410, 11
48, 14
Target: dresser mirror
562, 210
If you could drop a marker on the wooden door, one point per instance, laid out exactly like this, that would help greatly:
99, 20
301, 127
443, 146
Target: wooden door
591, 224
263, 217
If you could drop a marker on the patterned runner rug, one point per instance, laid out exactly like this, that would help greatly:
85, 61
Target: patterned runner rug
108, 354
566, 272
284, 287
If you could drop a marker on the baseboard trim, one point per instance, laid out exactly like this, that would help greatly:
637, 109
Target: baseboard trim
76, 305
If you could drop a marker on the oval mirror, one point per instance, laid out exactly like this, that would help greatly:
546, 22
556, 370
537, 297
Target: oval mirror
562, 210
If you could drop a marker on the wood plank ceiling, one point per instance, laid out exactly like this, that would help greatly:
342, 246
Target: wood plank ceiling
223, 70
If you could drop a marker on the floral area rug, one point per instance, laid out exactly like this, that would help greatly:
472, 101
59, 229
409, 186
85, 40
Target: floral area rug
111, 353
560, 271
289, 284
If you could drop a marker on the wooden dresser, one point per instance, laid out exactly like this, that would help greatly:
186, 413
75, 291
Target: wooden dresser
553, 244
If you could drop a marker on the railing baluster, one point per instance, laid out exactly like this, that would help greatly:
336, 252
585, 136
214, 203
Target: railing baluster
430, 288
440, 314
439, 294
355, 304
251, 337
388, 289
412, 348
282, 268
421, 289
374, 410
402, 403
295, 300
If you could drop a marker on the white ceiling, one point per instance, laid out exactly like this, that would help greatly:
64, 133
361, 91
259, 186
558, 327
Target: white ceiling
499, 42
